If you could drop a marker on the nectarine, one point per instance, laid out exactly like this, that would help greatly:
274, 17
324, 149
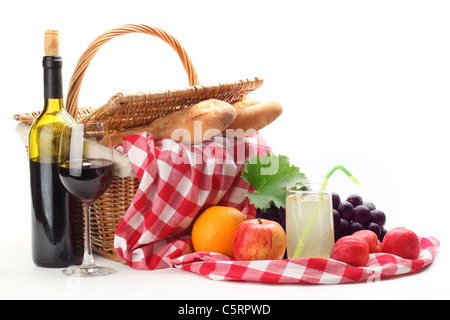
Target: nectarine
351, 250
402, 242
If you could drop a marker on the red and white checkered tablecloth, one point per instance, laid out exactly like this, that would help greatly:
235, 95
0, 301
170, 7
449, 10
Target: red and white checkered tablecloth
178, 181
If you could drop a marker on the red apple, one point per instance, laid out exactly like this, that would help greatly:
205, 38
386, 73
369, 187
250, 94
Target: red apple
371, 239
259, 239
402, 242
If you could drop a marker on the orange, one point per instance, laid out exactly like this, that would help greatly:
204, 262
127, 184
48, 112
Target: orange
214, 229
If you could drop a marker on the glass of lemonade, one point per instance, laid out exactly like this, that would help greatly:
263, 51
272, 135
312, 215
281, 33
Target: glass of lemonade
308, 210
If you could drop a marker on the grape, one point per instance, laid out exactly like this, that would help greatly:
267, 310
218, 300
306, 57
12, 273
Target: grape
273, 213
379, 217
336, 200
355, 200
372, 226
346, 210
362, 214
336, 217
370, 205
383, 233
337, 236
342, 227
355, 226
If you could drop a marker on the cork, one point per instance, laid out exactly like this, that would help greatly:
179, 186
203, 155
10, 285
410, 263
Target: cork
51, 43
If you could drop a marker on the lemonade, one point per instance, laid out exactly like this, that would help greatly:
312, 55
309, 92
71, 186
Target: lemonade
309, 209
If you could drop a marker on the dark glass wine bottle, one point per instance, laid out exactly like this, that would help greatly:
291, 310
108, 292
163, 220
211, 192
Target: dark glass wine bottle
57, 234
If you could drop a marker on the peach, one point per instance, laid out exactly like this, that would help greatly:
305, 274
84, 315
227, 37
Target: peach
402, 242
371, 238
351, 250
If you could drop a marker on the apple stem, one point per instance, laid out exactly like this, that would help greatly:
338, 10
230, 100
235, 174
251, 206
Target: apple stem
259, 220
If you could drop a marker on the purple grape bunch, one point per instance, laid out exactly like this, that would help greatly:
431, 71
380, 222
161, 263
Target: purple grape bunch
273, 213
354, 214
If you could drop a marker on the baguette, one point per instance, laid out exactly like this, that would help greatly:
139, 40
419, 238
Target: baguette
192, 125
252, 116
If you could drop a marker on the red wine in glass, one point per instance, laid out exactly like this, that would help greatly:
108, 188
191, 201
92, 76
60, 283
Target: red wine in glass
86, 179
86, 169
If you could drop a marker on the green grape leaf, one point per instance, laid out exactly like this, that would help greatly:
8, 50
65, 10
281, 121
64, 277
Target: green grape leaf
270, 175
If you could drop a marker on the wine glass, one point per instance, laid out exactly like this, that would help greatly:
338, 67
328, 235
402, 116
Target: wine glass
86, 169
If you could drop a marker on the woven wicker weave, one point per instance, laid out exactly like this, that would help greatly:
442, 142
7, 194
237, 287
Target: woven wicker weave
124, 111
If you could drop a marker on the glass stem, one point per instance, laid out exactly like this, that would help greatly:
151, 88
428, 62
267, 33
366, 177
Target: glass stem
88, 258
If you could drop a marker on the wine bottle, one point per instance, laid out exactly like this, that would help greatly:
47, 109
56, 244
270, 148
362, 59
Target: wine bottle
57, 234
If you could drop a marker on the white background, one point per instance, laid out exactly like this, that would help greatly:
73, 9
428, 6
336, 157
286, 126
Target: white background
363, 83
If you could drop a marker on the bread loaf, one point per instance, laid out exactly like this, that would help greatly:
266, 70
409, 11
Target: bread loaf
252, 116
244, 103
192, 125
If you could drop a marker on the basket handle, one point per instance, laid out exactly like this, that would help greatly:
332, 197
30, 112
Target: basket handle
85, 59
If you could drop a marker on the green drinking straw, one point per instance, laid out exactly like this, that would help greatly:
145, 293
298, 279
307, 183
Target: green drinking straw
325, 181
312, 220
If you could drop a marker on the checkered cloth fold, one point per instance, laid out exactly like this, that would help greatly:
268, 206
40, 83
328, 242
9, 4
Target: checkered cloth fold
178, 181
308, 271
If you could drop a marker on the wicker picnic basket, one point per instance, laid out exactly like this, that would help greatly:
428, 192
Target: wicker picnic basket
124, 111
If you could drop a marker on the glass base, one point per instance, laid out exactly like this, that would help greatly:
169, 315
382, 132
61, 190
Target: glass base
92, 271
